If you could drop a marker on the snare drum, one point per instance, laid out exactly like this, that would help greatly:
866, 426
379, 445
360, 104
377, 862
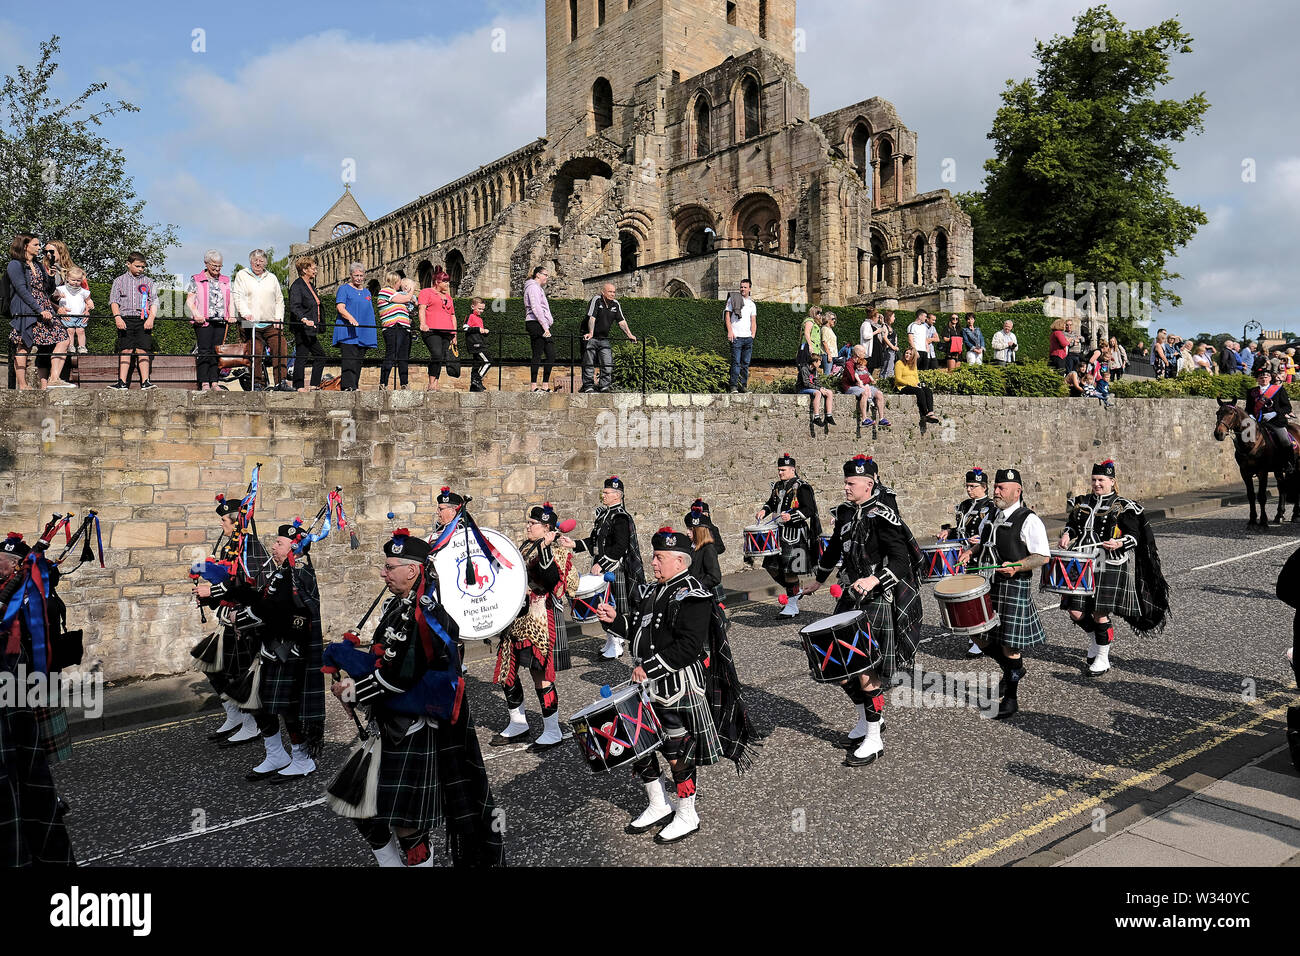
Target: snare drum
617, 730
761, 540
941, 560
966, 604
593, 590
840, 647
1070, 572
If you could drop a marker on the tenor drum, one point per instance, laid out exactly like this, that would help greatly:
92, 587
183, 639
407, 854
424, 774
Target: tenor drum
1070, 572
940, 560
840, 647
617, 730
761, 540
593, 590
485, 607
966, 604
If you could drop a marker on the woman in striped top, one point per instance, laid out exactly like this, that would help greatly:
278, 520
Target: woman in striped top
394, 304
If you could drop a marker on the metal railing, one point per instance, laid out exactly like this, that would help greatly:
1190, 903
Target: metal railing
572, 356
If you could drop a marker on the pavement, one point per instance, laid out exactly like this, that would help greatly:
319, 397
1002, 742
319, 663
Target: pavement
1178, 745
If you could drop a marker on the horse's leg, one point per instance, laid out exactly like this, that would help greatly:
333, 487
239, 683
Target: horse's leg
1281, 497
1249, 481
1263, 500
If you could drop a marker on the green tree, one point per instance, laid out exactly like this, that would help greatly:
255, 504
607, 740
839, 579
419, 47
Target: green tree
62, 180
1079, 180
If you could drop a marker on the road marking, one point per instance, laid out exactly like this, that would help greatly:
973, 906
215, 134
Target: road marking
144, 730
994, 823
192, 834
1284, 544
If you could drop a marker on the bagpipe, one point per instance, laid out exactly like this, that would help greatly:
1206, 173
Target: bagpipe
30, 598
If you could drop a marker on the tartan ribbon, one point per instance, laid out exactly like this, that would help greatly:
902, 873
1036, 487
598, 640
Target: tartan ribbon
27, 604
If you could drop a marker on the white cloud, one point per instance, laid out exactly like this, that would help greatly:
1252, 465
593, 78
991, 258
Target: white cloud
414, 113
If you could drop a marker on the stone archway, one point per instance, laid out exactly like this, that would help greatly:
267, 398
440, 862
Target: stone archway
455, 269
756, 222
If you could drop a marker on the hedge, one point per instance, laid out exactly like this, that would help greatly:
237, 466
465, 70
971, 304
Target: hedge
1198, 384
684, 323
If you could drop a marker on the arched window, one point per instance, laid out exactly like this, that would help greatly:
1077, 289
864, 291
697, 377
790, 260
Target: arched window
918, 260
860, 151
877, 260
701, 126
700, 242
940, 254
753, 106
602, 104
342, 229
630, 251
455, 270
425, 273
573, 20
886, 166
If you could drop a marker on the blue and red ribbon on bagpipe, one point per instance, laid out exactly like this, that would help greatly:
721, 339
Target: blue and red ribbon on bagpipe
27, 604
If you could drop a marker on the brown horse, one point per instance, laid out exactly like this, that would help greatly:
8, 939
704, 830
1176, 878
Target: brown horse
1257, 456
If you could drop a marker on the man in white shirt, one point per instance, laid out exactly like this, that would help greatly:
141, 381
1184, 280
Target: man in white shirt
259, 302
920, 334
1005, 344
742, 325
1015, 540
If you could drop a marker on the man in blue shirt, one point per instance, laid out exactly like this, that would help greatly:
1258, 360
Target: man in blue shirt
354, 329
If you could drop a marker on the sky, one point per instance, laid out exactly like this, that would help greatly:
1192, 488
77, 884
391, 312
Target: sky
250, 112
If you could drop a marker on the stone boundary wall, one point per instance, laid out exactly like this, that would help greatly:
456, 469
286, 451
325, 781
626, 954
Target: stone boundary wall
151, 463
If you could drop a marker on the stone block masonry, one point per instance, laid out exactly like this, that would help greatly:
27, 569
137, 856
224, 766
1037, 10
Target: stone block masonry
151, 464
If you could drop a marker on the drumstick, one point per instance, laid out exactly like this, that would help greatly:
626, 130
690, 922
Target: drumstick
994, 567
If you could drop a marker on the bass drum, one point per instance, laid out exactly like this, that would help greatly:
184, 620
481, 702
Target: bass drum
485, 608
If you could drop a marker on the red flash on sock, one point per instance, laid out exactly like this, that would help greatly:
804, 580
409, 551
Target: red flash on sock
686, 789
418, 853
877, 702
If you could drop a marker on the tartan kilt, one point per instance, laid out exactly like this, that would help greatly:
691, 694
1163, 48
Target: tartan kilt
897, 644
1116, 593
796, 557
691, 709
407, 792
1013, 600
56, 738
239, 653
280, 687
622, 596
31, 821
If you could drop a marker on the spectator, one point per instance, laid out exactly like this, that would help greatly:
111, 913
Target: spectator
1275, 364
741, 315
1058, 346
1005, 344
908, 382
1074, 352
973, 339
1159, 355
869, 339
603, 312
211, 308
438, 324
32, 323
62, 265
394, 307
830, 345
954, 342
134, 307
889, 339
1118, 359
477, 345
354, 329
1247, 359
538, 322
806, 384
811, 333
1288, 366
304, 320
259, 301
1173, 345
1201, 358
856, 380
1228, 358
918, 334
61, 261
1186, 361
75, 301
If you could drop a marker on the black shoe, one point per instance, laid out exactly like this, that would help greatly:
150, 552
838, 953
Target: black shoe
237, 743
278, 778
818, 421
223, 734
1007, 707
120, 386
146, 385
497, 740
587, 388
852, 761
257, 776
537, 748
830, 419
657, 825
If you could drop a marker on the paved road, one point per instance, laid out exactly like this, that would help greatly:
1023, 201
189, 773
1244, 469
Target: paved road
1206, 695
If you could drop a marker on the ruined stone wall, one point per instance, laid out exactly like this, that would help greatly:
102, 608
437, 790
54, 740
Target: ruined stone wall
152, 462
